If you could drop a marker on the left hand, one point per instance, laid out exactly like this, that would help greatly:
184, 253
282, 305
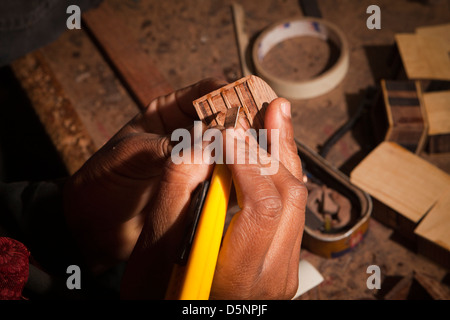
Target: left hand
107, 200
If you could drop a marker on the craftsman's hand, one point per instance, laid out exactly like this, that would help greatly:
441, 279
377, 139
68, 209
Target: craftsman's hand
260, 254
108, 200
261, 250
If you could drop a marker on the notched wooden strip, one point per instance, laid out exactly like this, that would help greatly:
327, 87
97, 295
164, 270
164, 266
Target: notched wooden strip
250, 94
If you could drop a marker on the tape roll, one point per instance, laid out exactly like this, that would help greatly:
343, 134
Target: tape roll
292, 28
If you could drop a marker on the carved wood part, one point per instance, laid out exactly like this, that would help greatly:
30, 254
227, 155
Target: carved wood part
251, 94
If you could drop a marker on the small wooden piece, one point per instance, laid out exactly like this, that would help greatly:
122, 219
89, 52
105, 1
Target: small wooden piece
425, 53
250, 93
405, 183
437, 106
406, 117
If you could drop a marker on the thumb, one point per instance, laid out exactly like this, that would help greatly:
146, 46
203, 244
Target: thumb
137, 156
280, 135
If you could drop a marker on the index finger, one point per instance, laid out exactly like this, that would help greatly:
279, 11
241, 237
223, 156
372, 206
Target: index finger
175, 110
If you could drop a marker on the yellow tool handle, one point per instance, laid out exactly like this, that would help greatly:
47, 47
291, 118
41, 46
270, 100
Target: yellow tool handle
195, 279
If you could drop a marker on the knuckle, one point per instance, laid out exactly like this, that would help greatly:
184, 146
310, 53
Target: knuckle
163, 147
297, 194
269, 206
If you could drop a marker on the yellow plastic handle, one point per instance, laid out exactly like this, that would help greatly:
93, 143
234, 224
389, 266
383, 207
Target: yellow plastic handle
195, 279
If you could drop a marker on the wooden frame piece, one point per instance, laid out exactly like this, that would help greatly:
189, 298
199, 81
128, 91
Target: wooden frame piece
250, 93
406, 116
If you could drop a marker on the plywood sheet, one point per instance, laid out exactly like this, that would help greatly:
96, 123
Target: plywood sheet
401, 180
425, 53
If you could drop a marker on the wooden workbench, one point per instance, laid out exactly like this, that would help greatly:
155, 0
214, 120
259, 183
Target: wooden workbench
82, 102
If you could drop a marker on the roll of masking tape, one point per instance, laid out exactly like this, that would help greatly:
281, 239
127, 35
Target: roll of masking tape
300, 27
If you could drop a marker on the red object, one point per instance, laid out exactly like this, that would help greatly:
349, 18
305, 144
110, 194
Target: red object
14, 266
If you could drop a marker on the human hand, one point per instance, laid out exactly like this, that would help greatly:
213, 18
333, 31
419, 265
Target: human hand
108, 200
260, 253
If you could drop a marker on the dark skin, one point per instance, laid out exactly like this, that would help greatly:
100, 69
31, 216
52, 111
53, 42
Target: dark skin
129, 203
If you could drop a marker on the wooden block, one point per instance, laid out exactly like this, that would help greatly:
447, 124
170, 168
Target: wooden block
433, 231
437, 106
250, 93
402, 181
405, 115
425, 53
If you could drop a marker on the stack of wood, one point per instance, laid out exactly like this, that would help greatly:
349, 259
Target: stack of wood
425, 59
410, 194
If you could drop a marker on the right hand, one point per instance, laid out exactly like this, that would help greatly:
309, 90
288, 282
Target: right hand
260, 254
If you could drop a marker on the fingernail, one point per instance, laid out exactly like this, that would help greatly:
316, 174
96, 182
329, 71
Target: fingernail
286, 109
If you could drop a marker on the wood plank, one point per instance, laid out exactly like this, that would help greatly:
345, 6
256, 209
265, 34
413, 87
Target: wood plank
97, 95
435, 43
136, 69
425, 53
401, 180
55, 110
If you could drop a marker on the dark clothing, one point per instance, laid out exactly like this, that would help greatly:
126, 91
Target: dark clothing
32, 212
